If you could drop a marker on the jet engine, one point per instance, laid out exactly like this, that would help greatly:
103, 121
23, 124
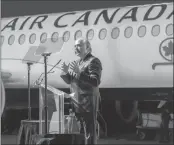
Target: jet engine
127, 110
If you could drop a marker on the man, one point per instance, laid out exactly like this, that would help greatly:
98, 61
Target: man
85, 77
165, 118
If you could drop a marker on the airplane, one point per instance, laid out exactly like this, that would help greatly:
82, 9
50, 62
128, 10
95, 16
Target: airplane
134, 44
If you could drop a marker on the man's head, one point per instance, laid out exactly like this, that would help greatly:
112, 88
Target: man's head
82, 47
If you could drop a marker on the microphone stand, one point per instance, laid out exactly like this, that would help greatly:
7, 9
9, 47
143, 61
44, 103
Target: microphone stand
29, 101
45, 55
39, 80
43, 50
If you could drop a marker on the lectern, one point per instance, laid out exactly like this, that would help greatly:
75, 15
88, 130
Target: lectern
34, 54
44, 50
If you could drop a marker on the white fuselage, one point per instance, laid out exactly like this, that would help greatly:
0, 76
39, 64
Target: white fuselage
127, 62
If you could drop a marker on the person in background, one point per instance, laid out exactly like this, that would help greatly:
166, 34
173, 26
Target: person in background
84, 76
165, 118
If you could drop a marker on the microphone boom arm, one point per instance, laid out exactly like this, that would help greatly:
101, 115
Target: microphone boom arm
39, 80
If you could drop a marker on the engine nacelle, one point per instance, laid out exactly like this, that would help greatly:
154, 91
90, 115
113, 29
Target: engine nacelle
2, 93
131, 111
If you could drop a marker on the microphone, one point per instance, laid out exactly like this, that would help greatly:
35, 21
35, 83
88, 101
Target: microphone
54, 66
50, 71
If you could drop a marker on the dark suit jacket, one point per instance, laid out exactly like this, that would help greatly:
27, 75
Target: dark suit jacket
86, 85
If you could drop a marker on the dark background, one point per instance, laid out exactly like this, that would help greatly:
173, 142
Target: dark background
11, 8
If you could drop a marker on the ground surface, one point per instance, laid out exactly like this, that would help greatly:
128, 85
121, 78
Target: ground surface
123, 139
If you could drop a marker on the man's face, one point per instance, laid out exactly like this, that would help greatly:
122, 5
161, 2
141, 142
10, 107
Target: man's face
80, 48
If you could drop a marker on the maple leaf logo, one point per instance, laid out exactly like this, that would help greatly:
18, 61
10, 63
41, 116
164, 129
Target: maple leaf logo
166, 52
168, 49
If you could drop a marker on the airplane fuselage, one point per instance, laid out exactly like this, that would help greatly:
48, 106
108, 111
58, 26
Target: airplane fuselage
129, 59
134, 44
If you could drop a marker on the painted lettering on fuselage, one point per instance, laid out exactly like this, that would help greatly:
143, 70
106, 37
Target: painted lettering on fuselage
83, 19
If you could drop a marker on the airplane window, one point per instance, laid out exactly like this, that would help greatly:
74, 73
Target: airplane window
55, 37
43, 37
102, 33
66, 36
11, 39
115, 32
21, 39
141, 31
77, 34
169, 29
155, 30
128, 32
32, 38
90, 34
1, 40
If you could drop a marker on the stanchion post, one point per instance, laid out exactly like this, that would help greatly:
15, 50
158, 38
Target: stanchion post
29, 59
29, 98
45, 55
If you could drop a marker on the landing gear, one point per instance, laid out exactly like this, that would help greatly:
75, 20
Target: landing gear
144, 134
141, 135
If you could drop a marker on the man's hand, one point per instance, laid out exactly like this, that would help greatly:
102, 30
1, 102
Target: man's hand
64, 67
75, 68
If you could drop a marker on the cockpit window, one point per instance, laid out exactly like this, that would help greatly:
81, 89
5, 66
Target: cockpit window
102, 33
155, 30
11, 39
141, 31
66, 36
55, 37
169, 29
1, 40
115, 33
32, 38
21, 39
77, 35
43, 37
128, 32
90, 34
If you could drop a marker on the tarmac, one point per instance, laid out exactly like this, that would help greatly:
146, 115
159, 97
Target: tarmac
122, 139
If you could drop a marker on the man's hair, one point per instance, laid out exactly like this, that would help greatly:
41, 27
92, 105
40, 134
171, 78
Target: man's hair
85, 41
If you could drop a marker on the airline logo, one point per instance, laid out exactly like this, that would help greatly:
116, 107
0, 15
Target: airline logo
166, 49
166, 52
153, 12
